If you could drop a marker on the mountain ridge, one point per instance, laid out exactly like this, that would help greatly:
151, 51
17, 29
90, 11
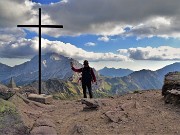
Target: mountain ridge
55, 66
141, 80
112, 72
52, 65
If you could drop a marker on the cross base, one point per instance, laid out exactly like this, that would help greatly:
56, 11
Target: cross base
42, 98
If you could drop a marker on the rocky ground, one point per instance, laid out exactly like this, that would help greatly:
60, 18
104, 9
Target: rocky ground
141, 113
132, 114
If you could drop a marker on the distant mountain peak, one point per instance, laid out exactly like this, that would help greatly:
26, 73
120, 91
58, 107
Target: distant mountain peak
112, 72
53, 65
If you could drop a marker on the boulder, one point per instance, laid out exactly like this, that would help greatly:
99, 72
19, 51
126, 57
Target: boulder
43, 126
171, 88
91, 104
5, 92
116, 116
172, 97
171, 81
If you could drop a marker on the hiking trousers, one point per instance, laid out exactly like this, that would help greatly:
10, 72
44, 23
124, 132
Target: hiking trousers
87, 85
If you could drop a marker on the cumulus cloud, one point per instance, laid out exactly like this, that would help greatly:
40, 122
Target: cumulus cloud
99, 17
11, 34
72, 51
27, 48
22, 48
90, 44
158, 26
13, 12
159, 18
104, 38
149, 53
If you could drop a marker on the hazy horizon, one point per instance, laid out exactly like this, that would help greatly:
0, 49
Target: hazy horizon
132, 65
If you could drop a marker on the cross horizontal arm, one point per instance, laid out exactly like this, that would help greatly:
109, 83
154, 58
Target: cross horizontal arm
44, 26
52, 26
27, 25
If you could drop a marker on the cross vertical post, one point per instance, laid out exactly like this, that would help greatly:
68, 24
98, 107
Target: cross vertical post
40, 26
40, 51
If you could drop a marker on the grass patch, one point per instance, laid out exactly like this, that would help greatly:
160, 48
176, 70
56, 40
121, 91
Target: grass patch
100, 94
10, 120
6, 106
107, 86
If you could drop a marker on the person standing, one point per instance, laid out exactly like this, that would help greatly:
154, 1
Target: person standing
87, 77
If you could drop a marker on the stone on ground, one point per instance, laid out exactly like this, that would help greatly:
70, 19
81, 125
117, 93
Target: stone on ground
42, 98
91, 104
43, 126
43, 130
44, 122
130, 105
116, 116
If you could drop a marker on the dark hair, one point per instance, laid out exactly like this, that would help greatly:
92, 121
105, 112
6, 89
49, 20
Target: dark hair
86, 62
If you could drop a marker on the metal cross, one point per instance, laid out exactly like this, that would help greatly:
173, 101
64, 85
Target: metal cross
40, 26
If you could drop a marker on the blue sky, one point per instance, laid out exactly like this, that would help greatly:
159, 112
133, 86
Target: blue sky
46, 1
115, 33
113, 45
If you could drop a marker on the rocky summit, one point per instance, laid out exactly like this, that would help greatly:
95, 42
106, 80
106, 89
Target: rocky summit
143, 112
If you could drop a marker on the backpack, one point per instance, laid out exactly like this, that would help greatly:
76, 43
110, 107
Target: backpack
86, 74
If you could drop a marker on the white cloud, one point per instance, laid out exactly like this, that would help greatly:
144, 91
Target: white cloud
27, 48
65, 1
157, 26
10, 34
72, 51
90, 44
123, 51
149, 53
159, 18
104, 38
13, 12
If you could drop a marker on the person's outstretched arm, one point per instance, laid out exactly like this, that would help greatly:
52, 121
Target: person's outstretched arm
76, 70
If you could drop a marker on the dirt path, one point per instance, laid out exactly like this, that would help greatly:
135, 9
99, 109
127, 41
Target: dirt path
151, 116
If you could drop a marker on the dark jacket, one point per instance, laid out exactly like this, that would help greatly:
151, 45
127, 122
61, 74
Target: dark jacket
81, 70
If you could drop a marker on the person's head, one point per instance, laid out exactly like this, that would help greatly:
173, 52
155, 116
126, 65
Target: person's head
86, 63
